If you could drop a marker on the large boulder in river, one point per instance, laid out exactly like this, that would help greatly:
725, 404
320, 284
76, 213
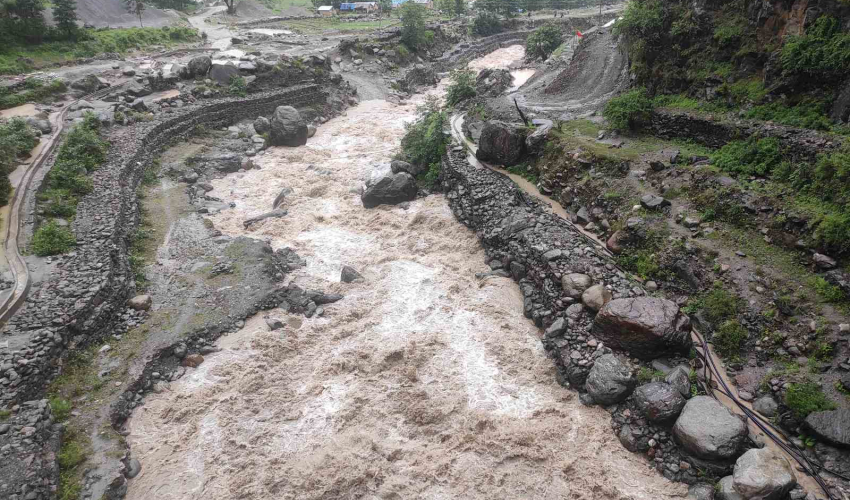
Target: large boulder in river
390, 190
708, 430
647, 327
199, 66
287, 128
402, 166
832, 426
501, 144
610, 380
659, 402
763, 474
222, 73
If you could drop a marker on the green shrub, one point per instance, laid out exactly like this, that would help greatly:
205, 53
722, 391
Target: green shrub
424, 143
52, 239
751, 157
486, 24
807, 397
628, 110
72, 454
642, 20
543, 41
827, 291
729, 338
16, 139
238, 86
641, 262
81, 153
807, 114
36, 91
719, 305
646, 375
462, 86
822, 52
61, 408
58, 203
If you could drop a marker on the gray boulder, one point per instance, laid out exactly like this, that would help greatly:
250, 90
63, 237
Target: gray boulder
501, 144
708, 430
659, 402
701, 491
653, 202
222, 73
574, 284
596, 297
557, 328
766, 405
628, 439
199, 66
398, 166
390, 190
680, 379
262, 125
832, 426
609, 381
726, 490
287, 128
41, 124
763, 474
647, 327
349, 275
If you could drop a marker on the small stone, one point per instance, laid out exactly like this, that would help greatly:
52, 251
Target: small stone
133, 468
140, 302
193, 360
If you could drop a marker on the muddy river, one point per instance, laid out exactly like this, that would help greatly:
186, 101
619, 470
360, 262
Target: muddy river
423, 382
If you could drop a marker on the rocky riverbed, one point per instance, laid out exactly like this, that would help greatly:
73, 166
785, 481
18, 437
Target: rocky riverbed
425, 380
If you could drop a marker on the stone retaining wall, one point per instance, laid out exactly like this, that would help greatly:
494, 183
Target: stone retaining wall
799, 144
537, 248
83, 296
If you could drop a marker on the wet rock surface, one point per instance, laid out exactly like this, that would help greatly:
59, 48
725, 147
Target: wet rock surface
391, 189
501, 143
287, 127
763, 474
659, 402
609, 381
708, 430
832, 426
646, 327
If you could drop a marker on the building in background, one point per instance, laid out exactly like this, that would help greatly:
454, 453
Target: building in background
326, 10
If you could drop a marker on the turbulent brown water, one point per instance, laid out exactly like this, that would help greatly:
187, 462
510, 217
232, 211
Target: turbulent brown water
423, 382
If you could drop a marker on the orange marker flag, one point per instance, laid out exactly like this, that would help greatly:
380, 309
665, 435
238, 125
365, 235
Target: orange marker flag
578, 34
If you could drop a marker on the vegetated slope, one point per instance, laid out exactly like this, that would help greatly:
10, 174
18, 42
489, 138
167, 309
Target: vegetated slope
597, 71
114, 14
769, 55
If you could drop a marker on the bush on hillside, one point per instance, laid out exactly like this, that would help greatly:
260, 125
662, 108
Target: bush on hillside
628, 110
751, 157
486, 24
543, 41
424, 142
823, 51
462, 86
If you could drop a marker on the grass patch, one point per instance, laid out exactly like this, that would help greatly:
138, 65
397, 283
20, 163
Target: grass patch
525, 171
646, 375
627, 111
93, 42
755, 156
61, 408
16, 139
729, 338
804, 398
35, 90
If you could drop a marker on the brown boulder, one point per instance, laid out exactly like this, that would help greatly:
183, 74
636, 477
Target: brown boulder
647, 327
193, 360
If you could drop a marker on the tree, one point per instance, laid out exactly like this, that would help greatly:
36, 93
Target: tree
543, 41
460, 7
412, 25
231, 6
30, 20
136, 7
65, 15
386, 6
